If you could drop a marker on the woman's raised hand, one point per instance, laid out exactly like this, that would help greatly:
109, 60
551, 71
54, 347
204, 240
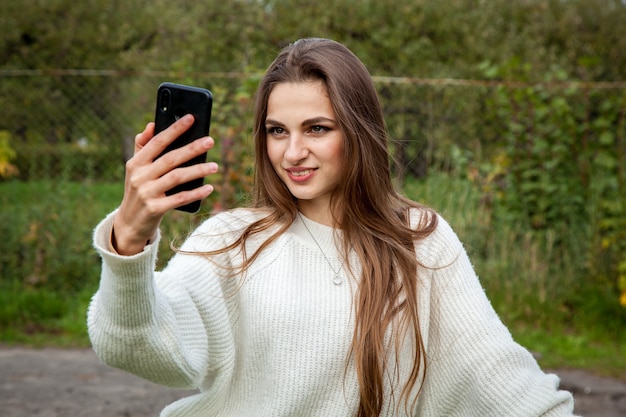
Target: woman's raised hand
145, 203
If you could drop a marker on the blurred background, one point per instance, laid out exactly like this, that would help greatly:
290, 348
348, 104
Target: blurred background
508, 117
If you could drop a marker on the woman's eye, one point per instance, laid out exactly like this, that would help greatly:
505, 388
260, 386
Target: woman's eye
275, 131
319, 129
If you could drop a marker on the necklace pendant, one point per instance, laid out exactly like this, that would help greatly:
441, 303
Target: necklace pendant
337, 280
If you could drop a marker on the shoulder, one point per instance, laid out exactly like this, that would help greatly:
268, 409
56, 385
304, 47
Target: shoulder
232, 220
223, 228
442, 245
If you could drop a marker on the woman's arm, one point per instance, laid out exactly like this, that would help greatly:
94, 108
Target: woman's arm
172, 327
475, 367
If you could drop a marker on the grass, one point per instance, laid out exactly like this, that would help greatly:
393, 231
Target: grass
603, 354
43, 318
48, 271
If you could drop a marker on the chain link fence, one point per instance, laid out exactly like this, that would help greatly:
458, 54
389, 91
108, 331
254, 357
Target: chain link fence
80, 124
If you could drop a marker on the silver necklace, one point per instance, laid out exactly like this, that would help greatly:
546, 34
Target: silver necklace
337, 279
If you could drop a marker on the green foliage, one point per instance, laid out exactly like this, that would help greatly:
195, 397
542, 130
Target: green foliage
562, 348
69, 162
233, 145
46, 229
46, 259
415, 39
7, 155
41, 317
559, 167
72, 34
69, 35
42, 306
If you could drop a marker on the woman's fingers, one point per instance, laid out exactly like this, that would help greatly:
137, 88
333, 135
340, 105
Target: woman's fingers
147, 185
153, 146
149, 175
184, 174
141, 139
177, 157
185, 197
149, 150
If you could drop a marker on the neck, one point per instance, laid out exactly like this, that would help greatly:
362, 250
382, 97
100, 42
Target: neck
316, 213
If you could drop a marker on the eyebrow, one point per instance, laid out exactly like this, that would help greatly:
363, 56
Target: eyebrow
308, 122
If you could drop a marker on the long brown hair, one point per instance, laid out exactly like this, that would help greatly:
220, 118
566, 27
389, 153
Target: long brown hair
372, 215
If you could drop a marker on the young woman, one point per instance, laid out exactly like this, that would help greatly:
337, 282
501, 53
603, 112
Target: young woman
332, 296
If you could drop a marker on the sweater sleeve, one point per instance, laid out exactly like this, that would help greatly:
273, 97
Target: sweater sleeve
152, 324
475, 367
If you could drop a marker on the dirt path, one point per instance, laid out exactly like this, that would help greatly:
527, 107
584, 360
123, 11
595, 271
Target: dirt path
72, 383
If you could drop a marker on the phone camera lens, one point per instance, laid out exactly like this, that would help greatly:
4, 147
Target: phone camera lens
164, 103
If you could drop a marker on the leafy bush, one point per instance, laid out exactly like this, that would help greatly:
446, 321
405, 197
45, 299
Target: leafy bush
46, 229
68, 162
557, 169
7, 154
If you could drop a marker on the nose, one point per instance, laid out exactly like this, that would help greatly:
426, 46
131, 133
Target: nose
296, 150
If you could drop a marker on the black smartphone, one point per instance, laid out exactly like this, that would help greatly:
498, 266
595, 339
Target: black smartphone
173, 102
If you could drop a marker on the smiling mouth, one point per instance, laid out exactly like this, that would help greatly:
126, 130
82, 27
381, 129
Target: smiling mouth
301, 173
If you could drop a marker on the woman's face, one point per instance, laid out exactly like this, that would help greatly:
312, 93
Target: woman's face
304, 144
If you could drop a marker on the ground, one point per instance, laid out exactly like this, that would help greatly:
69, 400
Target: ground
73, 383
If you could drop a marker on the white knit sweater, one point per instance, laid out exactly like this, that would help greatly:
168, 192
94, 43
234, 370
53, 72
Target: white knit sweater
276, 342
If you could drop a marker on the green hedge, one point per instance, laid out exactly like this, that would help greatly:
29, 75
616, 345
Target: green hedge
46, 231
69, 162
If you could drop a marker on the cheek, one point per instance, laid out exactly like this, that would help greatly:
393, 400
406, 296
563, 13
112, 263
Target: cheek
335, 154
273, 153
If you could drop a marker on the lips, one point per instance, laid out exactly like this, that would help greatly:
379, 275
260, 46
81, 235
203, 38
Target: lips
300, 174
